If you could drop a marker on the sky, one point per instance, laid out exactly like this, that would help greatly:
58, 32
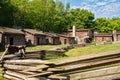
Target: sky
100, 8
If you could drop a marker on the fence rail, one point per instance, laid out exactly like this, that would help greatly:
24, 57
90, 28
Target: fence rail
67, 69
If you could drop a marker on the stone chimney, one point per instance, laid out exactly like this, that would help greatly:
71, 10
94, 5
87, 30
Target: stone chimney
73, 31
114, 36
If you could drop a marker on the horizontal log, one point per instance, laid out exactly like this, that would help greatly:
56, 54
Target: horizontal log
27, 72
40, 74
16, 67
37, 68
12, 56
57, 77
55, 69
18, 76
88, 57
11, 77
27, 61
91, 64
15, 74
108, 77
95, 73
25, 68
32, 78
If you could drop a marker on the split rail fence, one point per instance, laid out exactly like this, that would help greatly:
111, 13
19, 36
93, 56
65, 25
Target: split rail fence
84, 67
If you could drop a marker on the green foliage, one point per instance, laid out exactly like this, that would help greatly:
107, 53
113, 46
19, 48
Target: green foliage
7, 11
81, 18
51, 15
106, 25
46, 15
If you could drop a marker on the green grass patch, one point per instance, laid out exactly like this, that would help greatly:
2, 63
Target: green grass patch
44, 47
92, 50
41, 47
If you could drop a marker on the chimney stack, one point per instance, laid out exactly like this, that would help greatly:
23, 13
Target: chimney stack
114, 35
73, 31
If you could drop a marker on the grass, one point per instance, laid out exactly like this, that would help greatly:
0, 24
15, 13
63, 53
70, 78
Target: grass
87, 50
92, 50
41, 47
44, 47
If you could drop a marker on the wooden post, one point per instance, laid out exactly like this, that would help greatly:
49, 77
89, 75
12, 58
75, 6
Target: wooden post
3, 54
42, 54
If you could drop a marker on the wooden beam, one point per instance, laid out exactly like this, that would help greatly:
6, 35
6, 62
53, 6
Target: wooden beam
16, 67
2, 57
57, 77
95, 73
91, 64
27, 62
11, 77
40, 74
24, 68
38, 68
107, 77
32, 78
15, 74
55, 69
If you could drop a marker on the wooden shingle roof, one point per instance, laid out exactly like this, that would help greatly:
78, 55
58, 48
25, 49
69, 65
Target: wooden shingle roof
117, 32
81, 30
34, 31
6, 30
103, 34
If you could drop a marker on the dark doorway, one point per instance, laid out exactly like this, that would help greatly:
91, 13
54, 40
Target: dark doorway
65, 41
38, 41
11, 40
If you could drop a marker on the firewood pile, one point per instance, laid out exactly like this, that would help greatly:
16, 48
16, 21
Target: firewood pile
68, 69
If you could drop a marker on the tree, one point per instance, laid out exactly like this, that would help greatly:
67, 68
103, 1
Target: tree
81, 18
106, 25
20, 14
6, 13
102, 25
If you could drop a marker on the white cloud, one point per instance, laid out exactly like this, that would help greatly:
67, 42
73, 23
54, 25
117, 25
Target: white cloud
103, 8
101, 3
74, 7
109, 10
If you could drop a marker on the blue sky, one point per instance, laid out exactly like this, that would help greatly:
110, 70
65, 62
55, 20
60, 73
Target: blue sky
101, 8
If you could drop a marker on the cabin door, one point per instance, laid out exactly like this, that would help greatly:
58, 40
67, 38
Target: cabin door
65, 41
11, 40
103, 39
38, 41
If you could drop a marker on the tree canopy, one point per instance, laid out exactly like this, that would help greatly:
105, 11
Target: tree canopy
51, 15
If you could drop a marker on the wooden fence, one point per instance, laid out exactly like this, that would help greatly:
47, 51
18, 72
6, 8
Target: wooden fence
68, 69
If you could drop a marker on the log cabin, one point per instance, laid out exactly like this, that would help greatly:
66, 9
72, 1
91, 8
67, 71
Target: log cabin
34, 37
11, 36
81, 35
103, 37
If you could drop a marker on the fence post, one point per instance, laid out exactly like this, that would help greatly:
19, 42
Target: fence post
42, 54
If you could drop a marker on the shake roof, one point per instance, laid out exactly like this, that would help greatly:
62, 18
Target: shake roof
34, 31
103, 34
10, 31
80, 30
117, 32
